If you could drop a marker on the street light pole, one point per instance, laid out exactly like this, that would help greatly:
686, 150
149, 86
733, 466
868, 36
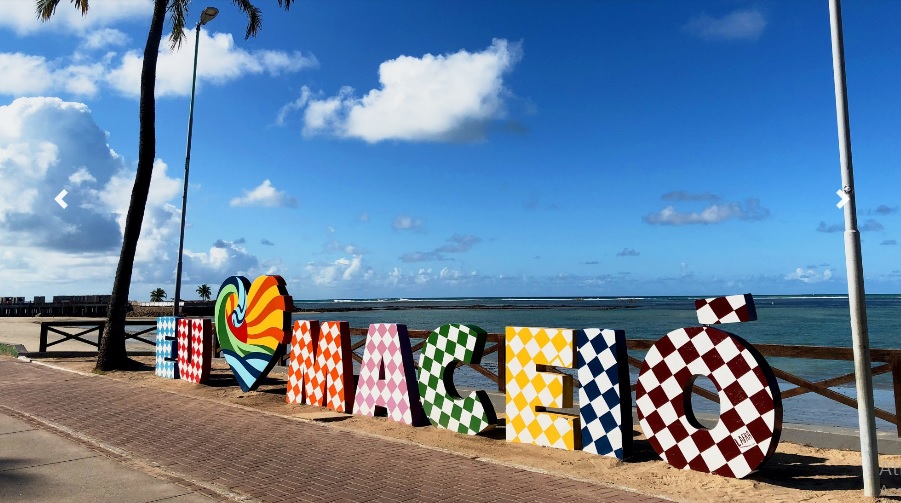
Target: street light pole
205, 17
860, 339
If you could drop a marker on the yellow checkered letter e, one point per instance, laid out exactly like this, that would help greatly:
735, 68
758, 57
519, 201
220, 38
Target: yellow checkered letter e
530, 391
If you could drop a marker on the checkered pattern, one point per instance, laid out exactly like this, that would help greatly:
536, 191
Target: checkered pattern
388, 377
750, 403
166, 348
730, 309
195, 349
606, 420
528, 389
445, 408
302, 359
331, 384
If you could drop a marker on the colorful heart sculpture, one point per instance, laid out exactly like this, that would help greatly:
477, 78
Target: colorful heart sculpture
253, 324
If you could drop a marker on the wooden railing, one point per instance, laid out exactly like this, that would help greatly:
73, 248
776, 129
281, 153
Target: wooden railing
87, 327
885, 361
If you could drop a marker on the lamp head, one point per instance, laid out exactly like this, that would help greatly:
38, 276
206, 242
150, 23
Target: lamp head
208, 14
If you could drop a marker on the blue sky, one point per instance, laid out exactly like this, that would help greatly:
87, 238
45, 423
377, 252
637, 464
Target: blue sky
415, 149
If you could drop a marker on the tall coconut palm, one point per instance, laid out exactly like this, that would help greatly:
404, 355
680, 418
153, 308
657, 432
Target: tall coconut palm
204, 291
158, 295
112, 353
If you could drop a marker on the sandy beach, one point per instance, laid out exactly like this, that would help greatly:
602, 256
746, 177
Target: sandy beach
795, 473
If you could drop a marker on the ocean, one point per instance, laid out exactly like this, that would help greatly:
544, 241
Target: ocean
809, 320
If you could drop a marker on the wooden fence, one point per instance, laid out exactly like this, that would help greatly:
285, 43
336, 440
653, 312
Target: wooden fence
85, 328
884, 360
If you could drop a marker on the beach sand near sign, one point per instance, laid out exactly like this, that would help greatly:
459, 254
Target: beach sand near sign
795, 473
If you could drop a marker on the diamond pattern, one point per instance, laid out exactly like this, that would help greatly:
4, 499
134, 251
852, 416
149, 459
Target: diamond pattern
730, 309
606, 420
750, 403
388, 377
166, 348
446, 347
195, 349
302, 359
528, 389
331, 382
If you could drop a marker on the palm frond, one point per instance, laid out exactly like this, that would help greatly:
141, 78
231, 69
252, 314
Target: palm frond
178, 9
285, 3
254, 16
46, 8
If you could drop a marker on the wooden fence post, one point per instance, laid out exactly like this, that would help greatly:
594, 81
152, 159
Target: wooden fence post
896, 388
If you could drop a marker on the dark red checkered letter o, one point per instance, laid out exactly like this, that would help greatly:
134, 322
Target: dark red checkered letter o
750, 404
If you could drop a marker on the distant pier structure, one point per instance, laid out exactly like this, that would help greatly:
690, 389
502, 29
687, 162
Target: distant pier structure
60, 305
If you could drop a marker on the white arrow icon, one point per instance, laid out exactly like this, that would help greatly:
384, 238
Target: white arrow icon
845, 198
59, 199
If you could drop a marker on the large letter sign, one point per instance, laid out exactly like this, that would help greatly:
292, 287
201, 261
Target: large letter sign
444, 349
605, 397
530, 392
750, 404
321, 368
388, 376
252, 326
166, 348
195, 349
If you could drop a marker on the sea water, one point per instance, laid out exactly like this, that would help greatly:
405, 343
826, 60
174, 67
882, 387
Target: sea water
789, 320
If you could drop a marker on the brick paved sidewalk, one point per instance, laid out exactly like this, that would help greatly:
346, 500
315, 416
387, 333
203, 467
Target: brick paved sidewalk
266, 457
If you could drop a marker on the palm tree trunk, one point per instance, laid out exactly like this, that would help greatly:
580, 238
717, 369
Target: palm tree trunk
112, 353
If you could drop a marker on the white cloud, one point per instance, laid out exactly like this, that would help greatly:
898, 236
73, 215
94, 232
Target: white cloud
738, 25
264, 195
219, 61
712, 214
25, 75
809, 275
407, 223
104, 37
39, 156
20, 16
342, 270
433, 98
83, 74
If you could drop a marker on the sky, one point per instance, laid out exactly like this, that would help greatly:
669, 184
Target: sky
401, 148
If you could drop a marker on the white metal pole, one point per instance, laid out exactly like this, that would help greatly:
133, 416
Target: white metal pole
860, 340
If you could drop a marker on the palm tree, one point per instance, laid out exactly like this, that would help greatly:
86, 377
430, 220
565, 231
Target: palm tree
157, 295
204, 291
112, 353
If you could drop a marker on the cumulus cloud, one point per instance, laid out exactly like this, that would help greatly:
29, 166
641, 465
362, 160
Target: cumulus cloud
83, 74
628, 252
342, 270
809, 275
223, 259
25, 75
745, 24
219, 61
449, 97
458, 243
264, 195
266, 242
712, 214
39, 157
19, 16
407, 223
823, 227
889, 242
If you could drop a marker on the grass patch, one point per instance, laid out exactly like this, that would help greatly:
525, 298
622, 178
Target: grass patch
6, 349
